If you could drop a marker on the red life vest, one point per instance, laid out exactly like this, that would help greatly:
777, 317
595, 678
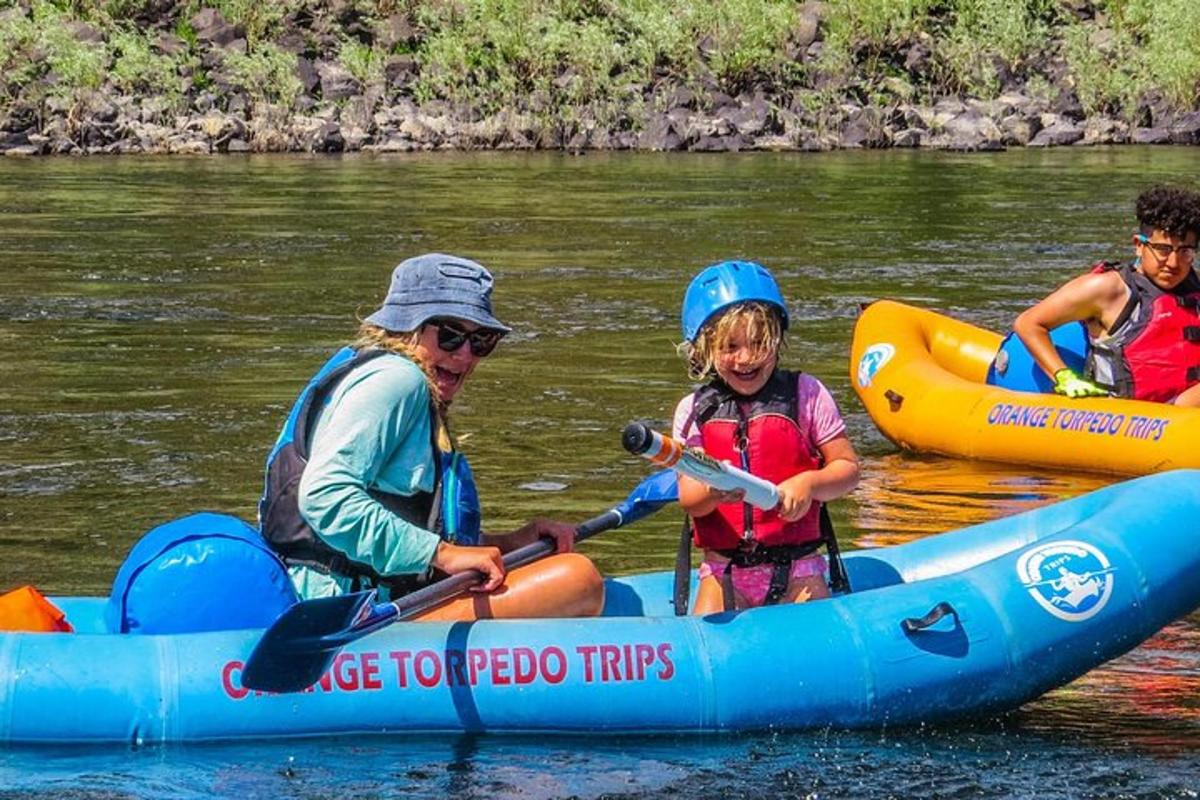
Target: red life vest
762, 435
1153, 351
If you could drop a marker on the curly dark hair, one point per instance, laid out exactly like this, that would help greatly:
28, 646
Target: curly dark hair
1172, 209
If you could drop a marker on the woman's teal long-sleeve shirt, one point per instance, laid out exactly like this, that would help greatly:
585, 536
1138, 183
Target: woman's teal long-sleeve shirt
374, 433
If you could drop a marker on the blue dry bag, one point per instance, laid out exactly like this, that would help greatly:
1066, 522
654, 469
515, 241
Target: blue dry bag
1014, 367
204, 572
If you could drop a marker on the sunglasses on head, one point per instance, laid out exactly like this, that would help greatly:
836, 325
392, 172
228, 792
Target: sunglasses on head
450, 337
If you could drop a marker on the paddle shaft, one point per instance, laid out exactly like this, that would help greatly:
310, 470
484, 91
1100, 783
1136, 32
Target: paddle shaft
436, 593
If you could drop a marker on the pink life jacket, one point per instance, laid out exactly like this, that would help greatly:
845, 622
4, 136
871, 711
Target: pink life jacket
1153, 352
762, 435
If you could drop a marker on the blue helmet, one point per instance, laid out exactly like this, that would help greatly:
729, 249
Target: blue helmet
721, 285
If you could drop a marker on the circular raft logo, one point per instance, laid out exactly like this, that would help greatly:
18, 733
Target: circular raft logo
1072, 580
873, 360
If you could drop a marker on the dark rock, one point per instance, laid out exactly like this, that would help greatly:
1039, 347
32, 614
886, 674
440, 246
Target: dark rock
238, 46
719, 144
238, 146
1019, 129
204, 101
909, 137
400, 70
18, 116
658, 134
1062, 132
359, 112
864, 128
681, 122
292, 41
949, 107
971, 130
327, 139
306, 71
9, 140
210, 26
1067, 105
101, 108
1186, 129
1156, 111
719, 100
212, 58
169, 45
913, 117
336, 81
916, 60
808, 28
748, 120
396, 29
1104, 130
682, 96
1151, 136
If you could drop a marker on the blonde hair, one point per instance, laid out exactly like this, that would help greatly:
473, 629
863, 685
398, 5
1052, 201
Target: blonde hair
405, 343
760, 323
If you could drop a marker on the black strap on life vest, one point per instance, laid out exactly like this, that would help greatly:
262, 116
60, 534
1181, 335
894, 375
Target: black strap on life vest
289, 534
707, 400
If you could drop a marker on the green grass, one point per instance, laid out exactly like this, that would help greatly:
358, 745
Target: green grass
575, 59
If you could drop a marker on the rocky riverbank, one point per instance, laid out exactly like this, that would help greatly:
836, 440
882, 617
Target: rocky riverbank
334, 108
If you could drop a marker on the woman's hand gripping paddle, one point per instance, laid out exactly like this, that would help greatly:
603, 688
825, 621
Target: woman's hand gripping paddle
299, 646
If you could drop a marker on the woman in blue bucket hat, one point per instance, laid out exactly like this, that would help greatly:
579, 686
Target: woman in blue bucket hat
364, 487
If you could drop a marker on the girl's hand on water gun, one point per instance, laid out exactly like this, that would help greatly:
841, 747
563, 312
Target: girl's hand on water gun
1067, 382
795, 498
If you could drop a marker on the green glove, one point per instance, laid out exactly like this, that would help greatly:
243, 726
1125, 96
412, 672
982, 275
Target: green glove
1066, 382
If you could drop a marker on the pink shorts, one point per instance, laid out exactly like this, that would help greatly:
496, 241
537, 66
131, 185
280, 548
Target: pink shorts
752, 583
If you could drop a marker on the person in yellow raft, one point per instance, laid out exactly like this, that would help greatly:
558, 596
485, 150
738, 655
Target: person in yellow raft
1142, 317
364, 487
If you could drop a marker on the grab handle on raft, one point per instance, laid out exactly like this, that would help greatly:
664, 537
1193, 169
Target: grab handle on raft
935, 615
301, 644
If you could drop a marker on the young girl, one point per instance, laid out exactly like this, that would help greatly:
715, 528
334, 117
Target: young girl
780, 425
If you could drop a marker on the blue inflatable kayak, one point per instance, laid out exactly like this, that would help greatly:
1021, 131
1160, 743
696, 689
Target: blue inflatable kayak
959, 625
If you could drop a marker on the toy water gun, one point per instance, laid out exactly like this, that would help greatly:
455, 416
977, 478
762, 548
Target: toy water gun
664, 451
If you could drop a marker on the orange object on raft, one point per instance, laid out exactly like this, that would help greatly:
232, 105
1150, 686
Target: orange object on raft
922, 377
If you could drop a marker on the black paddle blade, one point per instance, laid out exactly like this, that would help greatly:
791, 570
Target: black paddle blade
294, 653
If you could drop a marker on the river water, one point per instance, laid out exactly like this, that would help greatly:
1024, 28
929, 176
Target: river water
157, 316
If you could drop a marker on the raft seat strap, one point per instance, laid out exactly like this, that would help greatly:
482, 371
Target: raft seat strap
935, 615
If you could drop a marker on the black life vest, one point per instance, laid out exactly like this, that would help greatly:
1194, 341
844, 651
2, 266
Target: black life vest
451, 510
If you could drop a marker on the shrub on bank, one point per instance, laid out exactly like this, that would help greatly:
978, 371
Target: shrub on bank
610, 63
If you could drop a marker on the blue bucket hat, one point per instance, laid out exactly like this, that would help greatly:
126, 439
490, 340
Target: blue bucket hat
437, 285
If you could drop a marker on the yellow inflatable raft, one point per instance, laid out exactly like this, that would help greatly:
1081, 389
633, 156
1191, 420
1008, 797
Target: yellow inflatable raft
923, 379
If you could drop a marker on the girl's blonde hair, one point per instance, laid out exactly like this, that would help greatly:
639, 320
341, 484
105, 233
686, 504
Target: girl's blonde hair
405, 343
760, 324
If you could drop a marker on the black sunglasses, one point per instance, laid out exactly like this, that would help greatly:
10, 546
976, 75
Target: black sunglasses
450, 337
